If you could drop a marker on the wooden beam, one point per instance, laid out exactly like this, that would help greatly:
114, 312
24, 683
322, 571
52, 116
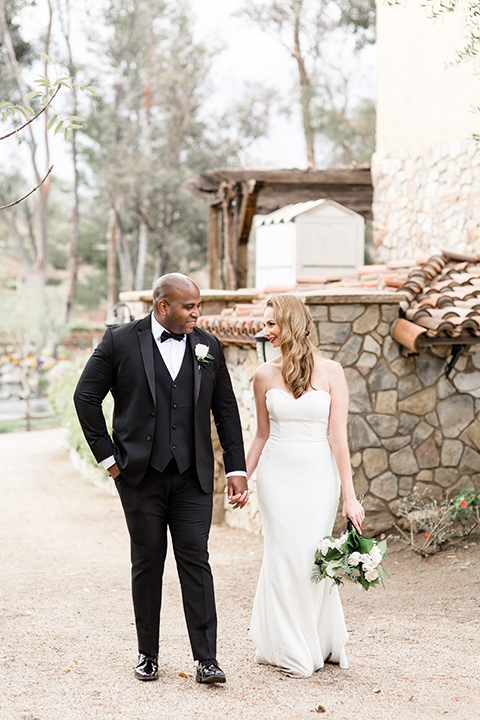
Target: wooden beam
229, 237
213, 247
247, 212
351, 187
210, 180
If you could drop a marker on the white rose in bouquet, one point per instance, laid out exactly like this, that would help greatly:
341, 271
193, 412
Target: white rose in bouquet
375, 555
371, 575
354, 559
368, 565
324, 546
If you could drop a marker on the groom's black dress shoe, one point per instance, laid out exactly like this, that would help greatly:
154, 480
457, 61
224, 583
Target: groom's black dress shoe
208, 671
147, 668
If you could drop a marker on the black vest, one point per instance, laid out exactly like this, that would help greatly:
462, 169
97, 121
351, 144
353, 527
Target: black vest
174, 425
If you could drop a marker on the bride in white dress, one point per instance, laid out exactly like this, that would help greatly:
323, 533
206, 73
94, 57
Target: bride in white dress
301, 450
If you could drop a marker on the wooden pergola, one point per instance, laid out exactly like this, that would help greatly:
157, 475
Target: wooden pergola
235, 196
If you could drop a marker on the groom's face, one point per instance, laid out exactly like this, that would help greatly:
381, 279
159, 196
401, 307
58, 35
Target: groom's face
181, 311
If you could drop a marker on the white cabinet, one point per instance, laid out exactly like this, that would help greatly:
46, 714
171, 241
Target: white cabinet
307, 242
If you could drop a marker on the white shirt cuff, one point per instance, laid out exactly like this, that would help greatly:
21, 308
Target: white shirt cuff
108, 462
238, 472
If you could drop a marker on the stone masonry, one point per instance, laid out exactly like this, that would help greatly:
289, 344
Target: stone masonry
409, 426
426, 199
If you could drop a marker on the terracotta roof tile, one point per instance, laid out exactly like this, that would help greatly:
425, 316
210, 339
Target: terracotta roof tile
442, 300
446, 303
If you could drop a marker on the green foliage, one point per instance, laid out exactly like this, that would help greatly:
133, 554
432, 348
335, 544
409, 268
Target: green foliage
91, 291
63, 380
464, 508
31, 323
359, 16
35, 424
24, 50
45, 99
351, 133
150, 134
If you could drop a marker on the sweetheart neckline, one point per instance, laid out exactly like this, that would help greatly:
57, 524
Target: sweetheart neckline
310, 392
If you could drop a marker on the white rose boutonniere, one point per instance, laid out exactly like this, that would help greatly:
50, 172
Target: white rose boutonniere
202, 354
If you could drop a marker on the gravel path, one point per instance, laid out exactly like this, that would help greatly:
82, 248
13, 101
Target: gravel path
68, 641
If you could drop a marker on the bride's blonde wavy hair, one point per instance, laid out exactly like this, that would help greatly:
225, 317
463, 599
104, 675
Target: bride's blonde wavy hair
298, 351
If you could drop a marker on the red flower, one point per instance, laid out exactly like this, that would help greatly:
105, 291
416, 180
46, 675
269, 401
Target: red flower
427, 535
463, 504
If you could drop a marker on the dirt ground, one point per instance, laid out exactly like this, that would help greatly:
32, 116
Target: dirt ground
68, 641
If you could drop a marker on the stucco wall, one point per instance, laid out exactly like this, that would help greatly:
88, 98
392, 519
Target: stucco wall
422, 98
426, 169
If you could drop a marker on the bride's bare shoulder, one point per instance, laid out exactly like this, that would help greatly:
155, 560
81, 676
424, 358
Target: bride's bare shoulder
329, 368
267, 370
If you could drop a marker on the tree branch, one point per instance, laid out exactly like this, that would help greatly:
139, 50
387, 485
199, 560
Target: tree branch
4, 137
4, 207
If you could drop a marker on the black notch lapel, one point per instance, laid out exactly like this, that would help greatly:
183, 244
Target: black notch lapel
197, 373
146, 340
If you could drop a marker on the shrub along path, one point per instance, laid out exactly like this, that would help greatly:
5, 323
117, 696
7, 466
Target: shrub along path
67, 642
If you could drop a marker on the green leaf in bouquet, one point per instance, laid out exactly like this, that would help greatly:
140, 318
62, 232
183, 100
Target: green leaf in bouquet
332, 554
316, 574
365, 544
382, 546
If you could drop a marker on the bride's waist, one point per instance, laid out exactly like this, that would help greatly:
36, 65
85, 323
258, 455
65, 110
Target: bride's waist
293, 432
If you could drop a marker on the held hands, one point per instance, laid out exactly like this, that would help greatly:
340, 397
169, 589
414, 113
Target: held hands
353, 510
237, 491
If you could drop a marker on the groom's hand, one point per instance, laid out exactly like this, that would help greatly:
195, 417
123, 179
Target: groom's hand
237, 491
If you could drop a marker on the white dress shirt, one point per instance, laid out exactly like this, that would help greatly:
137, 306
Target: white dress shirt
171, 350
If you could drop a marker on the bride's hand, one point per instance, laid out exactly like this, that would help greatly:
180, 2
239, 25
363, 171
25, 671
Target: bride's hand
353, 510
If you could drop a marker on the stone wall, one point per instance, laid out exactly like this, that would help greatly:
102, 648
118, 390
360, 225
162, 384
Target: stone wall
408, 424
242, 362
426, 200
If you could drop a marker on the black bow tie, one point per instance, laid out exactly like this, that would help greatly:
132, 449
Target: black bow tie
166, 335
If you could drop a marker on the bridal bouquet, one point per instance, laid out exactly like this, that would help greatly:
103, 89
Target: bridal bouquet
350, 556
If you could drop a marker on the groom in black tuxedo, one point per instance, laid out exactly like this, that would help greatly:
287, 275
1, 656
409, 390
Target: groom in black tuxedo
166, 375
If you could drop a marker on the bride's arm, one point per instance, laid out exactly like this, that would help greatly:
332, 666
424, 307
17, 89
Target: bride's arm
262, 433
337, 434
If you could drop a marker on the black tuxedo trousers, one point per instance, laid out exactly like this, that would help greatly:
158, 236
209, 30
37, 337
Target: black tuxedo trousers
173, 500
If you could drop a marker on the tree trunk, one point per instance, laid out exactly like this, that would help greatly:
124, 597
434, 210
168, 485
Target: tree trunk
124, 256
142, 256
143, 229
73, 258
44, 190
111, 285
305, 87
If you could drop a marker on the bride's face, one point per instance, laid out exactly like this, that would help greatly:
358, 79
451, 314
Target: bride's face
271, 330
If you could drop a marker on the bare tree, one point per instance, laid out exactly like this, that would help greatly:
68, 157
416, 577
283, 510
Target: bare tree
304, 28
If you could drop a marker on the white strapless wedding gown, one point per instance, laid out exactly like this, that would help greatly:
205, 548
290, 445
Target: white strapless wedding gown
296, 624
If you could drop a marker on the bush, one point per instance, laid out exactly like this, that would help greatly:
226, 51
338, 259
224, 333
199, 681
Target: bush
63, 380
431, 523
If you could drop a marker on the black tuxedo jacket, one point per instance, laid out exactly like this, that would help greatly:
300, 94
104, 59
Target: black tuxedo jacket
123, 363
